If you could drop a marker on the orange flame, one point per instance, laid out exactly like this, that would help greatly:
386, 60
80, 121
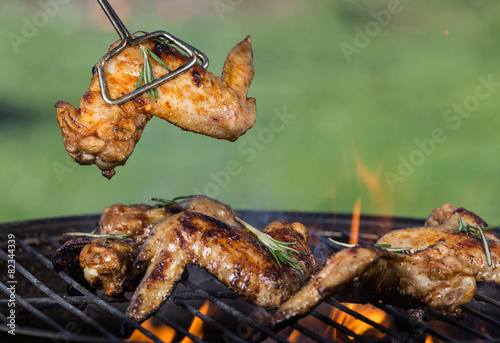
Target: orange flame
359, 327
157, 328
295, 336
196, 327
165, 332
371, 179
356, 213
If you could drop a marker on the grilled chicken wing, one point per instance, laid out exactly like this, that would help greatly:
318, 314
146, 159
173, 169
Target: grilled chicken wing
67, 258
208, 206
134, 220
446, 217
196, 101
440, 271
105, 263
232, 254
110, 264
138, 220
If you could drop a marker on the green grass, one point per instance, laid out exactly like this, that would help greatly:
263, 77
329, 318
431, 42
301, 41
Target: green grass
368, 112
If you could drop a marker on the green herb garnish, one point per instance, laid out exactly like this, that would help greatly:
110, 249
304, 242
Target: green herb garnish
95, 235
170, 202
147, 71
478, 232
281, 251
387, 247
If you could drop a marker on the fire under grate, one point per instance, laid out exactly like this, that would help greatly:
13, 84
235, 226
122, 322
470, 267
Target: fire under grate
40, 305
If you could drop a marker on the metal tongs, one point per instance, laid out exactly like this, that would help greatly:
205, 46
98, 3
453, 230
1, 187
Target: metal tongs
128, 39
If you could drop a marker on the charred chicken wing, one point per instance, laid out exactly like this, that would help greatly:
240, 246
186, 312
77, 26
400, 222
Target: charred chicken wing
110, 264
134, 220
232, 254
194, 229
105, 263
196, 100
440, 271
446, 217
138, 220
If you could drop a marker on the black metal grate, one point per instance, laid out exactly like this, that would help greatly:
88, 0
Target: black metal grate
44, 310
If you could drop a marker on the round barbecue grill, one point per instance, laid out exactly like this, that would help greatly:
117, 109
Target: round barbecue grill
40, 305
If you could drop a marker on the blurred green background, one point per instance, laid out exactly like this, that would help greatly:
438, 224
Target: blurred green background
393, 104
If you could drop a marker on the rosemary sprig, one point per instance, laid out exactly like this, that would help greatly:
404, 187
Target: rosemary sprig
147, 73
169, 202
478, 232
281, 251
387, 247
95, 235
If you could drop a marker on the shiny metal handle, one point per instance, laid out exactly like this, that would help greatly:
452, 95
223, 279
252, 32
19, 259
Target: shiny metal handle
114, 19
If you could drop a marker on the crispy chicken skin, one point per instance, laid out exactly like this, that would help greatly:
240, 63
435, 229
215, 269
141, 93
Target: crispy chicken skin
435, 277
109, 264
467, 248
104, 263
193, 225
138, 220
134, 220
440, 271
208, 206
446, 217
67, 258
232, 254
196, 101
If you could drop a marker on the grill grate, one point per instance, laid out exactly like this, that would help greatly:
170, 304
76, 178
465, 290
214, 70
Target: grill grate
44, 311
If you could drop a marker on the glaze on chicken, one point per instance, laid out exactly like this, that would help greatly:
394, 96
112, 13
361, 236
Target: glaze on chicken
103, 263
194, 229
231, 253
133, 220
440, 271
196, 100
138, 220
446, 217
110, 264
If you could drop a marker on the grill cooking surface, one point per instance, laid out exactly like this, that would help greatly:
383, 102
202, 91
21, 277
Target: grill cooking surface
52, 307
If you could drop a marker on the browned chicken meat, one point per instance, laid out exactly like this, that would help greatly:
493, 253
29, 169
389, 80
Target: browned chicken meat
231, 253
133, 220
440, 271
105, 263
208, 206
138, 220
196, 100
110, 264
446, 217
67, 258
194, 229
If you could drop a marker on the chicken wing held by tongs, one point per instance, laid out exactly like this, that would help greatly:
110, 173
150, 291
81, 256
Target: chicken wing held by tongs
105, 133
